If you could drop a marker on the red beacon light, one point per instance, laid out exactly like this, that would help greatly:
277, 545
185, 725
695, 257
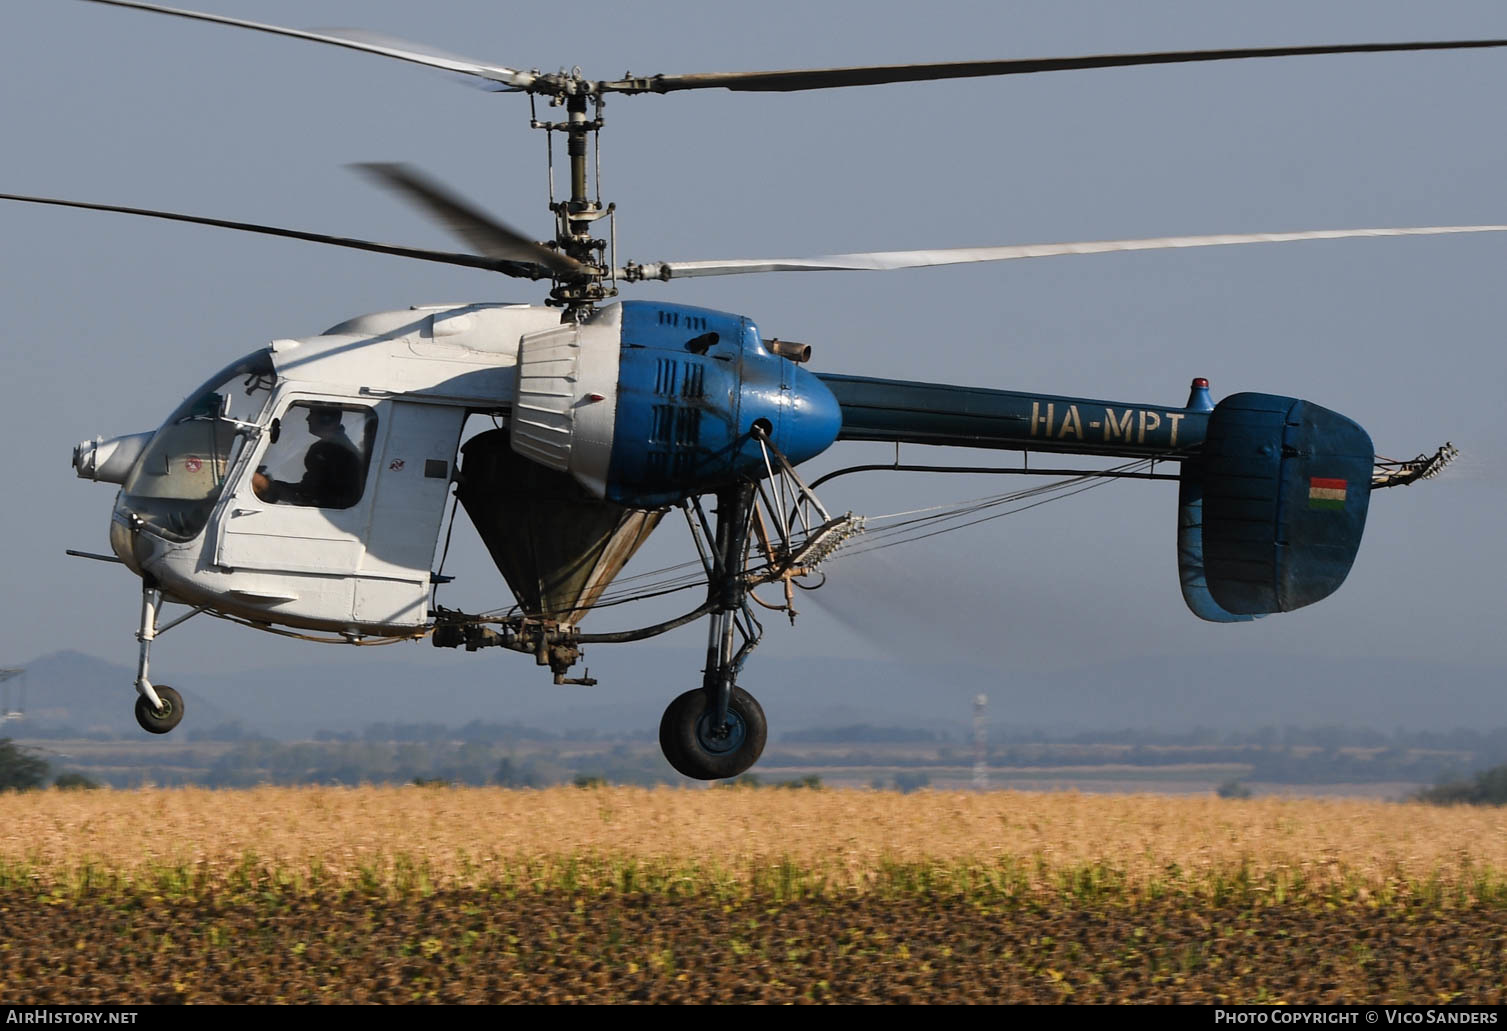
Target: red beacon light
1198, 396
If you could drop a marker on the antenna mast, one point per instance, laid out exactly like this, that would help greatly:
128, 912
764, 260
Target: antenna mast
980, 743
19, 710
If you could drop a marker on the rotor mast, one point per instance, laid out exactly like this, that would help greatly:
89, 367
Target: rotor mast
576, 217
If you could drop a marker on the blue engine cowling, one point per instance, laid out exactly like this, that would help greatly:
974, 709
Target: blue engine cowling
692, 383
1285, 488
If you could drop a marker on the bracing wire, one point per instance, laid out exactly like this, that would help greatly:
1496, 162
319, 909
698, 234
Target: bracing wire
912, 525
434, 590
918, 527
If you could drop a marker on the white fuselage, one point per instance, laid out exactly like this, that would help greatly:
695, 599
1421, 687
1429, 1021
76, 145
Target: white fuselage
409, 379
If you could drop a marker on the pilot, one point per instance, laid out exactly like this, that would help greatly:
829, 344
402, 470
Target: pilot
332, 467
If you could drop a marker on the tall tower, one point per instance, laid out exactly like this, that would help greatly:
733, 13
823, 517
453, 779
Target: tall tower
9, 711
980, 744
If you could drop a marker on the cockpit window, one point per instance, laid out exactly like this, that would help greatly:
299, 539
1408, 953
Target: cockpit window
179, 477
319, 456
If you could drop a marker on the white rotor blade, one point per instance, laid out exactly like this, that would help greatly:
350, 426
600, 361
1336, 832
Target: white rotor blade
356, 39
876, 261
376, 42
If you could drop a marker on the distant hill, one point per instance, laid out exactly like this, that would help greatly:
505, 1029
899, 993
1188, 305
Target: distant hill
69, 689
418, 684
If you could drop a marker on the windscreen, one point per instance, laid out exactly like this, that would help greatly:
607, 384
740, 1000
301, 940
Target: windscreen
179, 477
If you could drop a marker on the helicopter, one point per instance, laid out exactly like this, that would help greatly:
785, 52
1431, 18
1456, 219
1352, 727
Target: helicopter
612, 413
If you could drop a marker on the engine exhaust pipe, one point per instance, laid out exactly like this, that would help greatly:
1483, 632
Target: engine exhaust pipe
798, 353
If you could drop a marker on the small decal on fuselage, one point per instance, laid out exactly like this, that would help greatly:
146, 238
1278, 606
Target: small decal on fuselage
1326, 493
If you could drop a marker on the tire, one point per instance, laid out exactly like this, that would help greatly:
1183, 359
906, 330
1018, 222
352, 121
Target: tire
689, 745
160, 721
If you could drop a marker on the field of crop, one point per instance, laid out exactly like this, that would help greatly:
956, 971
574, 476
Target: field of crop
620, 894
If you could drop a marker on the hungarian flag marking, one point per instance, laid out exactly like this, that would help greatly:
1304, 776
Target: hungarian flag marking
1324, 493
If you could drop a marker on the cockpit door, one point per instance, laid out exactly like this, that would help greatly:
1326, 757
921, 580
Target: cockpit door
342, 520
412, 476
302, 503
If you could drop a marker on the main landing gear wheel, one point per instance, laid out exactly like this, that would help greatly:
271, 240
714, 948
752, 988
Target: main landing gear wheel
160, 721
697, 749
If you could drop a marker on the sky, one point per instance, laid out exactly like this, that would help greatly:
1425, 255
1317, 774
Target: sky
111, 320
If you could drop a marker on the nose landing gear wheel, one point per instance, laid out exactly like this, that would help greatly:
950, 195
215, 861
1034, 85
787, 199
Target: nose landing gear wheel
160, 721
697, 749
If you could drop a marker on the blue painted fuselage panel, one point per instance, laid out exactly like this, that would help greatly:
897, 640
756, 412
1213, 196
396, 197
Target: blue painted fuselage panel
966, 416
691, 385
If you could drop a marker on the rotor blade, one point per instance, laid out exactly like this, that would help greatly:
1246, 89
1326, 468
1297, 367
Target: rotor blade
874, 261
356, 39
871, 75
387, 43
522, 270
477, 228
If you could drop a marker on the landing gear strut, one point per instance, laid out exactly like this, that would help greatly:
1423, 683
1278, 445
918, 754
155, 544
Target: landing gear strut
159, 708
719, 729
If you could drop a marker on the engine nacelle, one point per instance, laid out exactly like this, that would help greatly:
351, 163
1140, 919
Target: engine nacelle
646, 404
109, 461
1286, 485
